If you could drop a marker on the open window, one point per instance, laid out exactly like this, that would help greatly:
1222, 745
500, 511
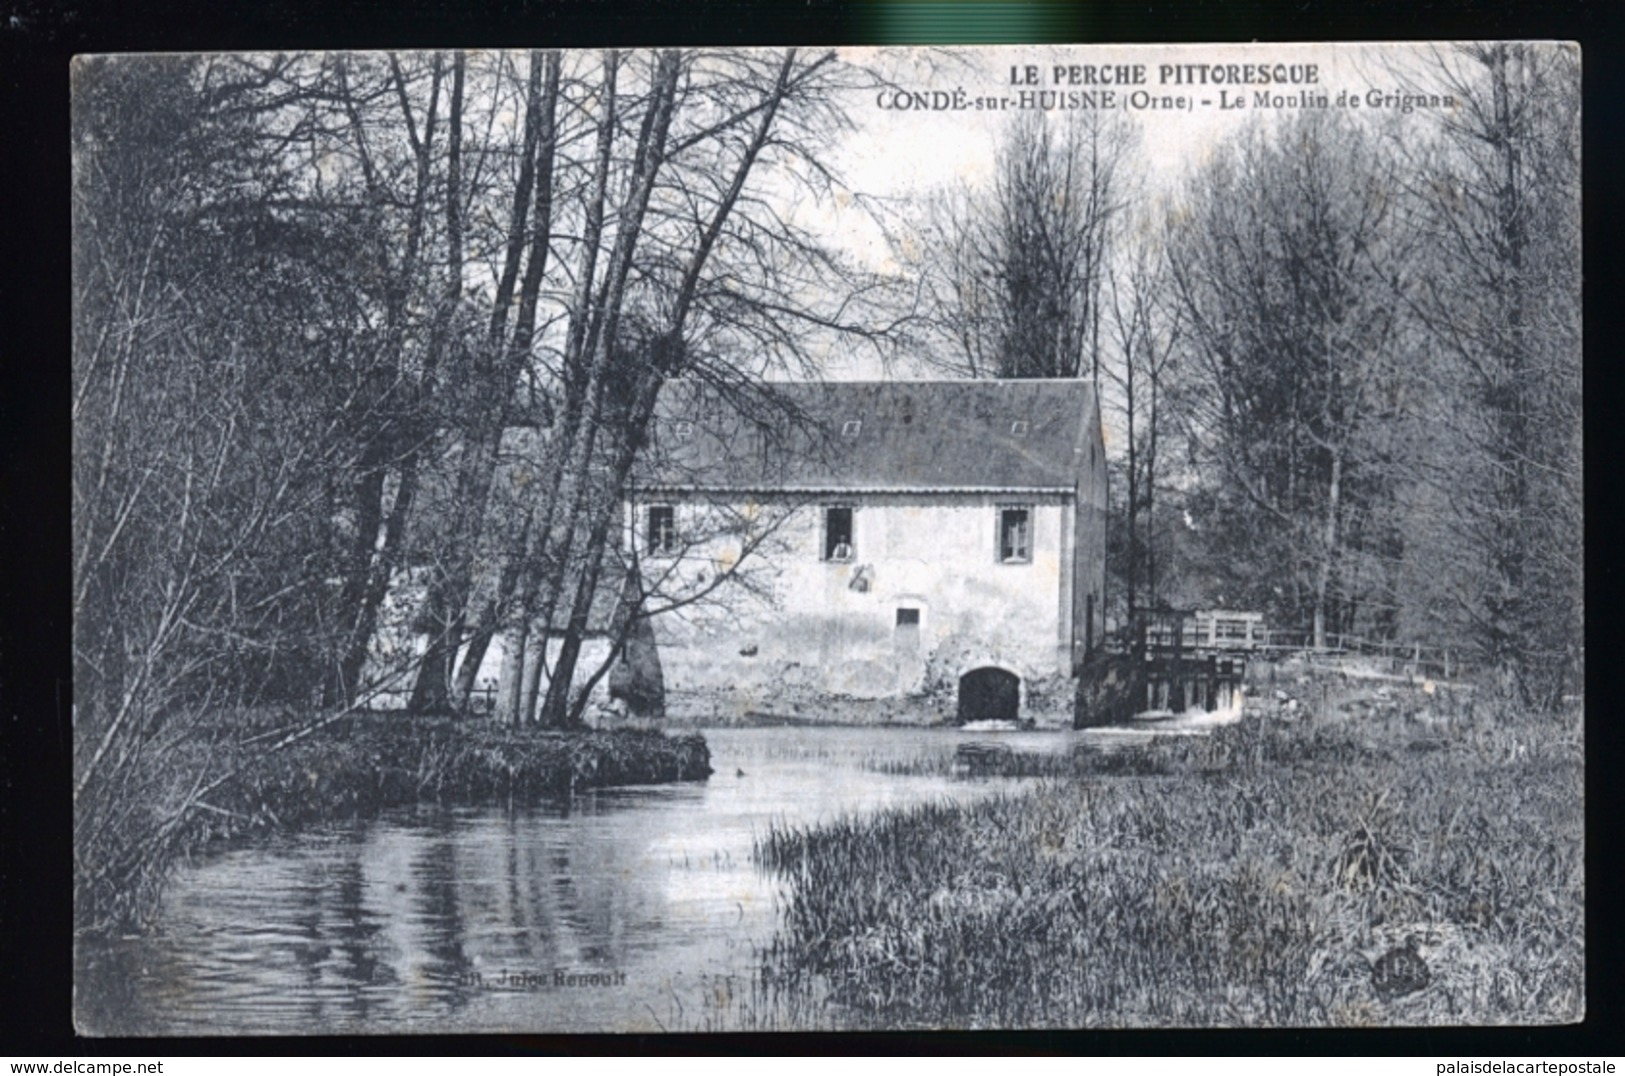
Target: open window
1015, 534
662, 529
838, 544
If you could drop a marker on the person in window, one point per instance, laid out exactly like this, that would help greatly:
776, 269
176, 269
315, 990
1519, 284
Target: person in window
838, 533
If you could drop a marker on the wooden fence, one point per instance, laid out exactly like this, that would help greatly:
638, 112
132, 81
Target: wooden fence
1413, 659
1243, 634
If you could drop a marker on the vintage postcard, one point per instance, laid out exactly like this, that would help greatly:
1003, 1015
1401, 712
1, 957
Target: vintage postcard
821, 538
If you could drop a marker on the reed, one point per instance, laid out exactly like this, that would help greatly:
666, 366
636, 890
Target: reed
1250, 877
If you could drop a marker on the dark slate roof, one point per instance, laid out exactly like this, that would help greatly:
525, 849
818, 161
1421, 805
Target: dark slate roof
908, 435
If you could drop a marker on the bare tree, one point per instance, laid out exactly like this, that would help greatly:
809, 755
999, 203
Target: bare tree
381, 512
717, 561
216, 428
489, 374
1014, 274
1143, 336
294, 388
1283, 260
699, 276
1497, 206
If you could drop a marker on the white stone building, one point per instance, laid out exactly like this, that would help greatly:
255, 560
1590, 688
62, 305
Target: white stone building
935, 542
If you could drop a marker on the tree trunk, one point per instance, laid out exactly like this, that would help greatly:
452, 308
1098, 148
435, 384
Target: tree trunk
356, 590
515, 645
1328, 554
1151, 502
377, 565
479, 644
1133, 557
664, 358
555, 706
636, 675
552, 558
530, 676
491, 382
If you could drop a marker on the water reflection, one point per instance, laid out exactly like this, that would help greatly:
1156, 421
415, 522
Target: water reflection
630, 910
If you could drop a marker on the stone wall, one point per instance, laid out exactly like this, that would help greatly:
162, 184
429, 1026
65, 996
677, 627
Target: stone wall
806, 628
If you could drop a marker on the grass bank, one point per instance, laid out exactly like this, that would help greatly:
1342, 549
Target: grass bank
1251, 877
355, 767
372, 762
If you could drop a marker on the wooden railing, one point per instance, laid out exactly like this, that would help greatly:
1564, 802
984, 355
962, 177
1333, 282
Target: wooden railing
1416, 659
1244, 635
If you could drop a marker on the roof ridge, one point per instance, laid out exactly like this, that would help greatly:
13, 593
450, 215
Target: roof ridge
937, 433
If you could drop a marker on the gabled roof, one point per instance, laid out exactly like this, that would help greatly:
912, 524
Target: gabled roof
872, 436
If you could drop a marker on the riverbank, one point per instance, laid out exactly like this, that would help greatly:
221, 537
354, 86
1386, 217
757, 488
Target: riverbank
1255, 876
1047, 705
237, 786
368, 763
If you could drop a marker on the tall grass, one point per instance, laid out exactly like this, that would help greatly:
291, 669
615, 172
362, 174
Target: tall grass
1249, 877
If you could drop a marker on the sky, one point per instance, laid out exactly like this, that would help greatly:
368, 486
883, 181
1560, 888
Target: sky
906, 150
1180, 98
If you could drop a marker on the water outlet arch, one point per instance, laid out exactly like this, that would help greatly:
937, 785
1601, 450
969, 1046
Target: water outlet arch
989, 693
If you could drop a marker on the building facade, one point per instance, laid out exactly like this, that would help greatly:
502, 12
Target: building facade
939, 543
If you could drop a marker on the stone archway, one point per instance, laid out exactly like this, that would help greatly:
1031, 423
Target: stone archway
989, 694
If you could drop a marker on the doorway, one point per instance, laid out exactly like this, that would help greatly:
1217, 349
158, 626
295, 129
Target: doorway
989, 695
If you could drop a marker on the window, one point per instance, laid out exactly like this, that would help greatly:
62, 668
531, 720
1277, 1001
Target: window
838, 533
908, 618
662, 528
1015, 534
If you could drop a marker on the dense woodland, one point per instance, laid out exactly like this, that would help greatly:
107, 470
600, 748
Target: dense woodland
1340, 360
1341, 364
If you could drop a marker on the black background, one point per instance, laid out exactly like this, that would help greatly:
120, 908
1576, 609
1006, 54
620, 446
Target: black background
37, 39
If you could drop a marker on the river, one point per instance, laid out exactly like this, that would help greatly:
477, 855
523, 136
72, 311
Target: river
635, 909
